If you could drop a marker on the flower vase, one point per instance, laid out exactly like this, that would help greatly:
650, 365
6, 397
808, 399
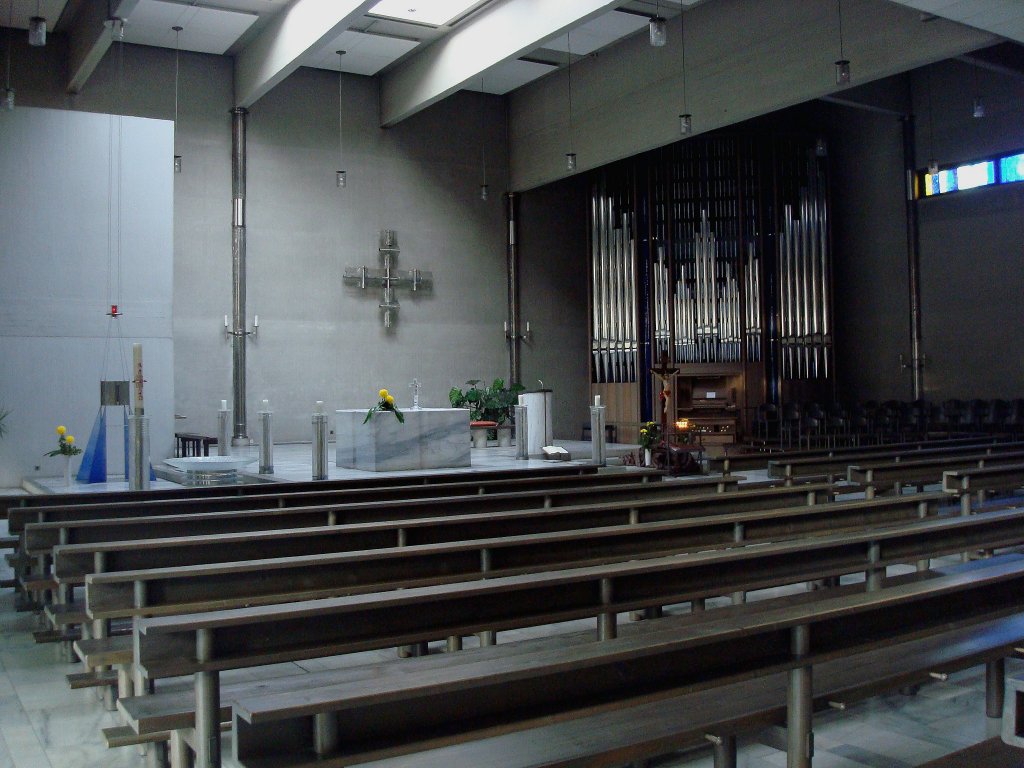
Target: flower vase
67, 471
648, 461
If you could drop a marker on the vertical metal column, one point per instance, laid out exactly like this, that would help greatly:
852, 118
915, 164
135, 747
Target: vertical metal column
207, 687
512, 260
238, 335
913, 261
799, 738
598, 439
995, 687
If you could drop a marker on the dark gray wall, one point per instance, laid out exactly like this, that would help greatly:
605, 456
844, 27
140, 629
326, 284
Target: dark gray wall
869, 235
554, 261
972, 242
318, 339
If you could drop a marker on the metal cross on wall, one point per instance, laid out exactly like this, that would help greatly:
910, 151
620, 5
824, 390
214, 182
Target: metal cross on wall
388, 277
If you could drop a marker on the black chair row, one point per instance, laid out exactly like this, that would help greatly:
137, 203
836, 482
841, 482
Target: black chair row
812, 424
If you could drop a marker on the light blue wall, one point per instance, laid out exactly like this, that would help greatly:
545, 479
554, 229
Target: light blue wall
86, 217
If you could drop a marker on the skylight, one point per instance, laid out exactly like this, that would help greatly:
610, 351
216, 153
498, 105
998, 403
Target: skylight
433, 12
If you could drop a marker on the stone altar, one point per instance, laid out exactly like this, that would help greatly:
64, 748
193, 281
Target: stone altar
431, 438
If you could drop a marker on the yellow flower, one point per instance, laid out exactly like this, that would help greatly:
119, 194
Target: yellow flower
61, 430
389, 398
643, 431
70, 439
383, 394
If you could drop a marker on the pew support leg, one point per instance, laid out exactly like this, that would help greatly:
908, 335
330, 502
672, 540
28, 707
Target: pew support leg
799, 703
207, 740
995, 687
723, 750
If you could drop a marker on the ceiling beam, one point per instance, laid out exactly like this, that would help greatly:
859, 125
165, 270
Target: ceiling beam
302, 27
89, 38
1000, 17
500, 32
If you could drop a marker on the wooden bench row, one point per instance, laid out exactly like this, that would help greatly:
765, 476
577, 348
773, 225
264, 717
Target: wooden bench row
836, 467
746, 461
284, 496
205, 644
721, 671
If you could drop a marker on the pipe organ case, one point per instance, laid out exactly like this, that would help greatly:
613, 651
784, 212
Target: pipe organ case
716, 251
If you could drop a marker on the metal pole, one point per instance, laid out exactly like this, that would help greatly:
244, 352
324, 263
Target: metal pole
138, 457
913, 261
597, 435
319, 445
995, 687
512, 261
522, 433
223, 432
266, 443
238, 334
799, 737
207, 687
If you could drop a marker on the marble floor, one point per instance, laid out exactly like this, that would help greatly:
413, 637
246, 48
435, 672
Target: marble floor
43, 724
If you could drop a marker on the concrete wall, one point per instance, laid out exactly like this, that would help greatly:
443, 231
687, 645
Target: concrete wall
86, 221
970, 243
554, 263
319, 339
972, 247
743, 58
869, 235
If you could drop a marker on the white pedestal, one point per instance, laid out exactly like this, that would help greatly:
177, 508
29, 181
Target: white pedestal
431, 438
538, 420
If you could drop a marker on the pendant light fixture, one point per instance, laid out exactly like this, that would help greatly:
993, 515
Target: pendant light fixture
685, 118
842, 64
36, 27
484, 191
978, 108
570, 156
8, 90
658, 28
177, 62
341, 176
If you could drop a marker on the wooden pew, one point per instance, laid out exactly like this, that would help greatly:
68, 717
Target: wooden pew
187, 588
277, 486
980, 481
923, 472
280, 536
746, 461
837, 467
205, 644
40, 538
284, 496
756, 662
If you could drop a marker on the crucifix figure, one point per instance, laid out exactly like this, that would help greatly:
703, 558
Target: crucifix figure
388, 277
664, 374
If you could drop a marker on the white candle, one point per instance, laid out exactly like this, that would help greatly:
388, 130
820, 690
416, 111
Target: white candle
266, 405
597, 400
225, 321
137, 368
522, 400
319, 406
223, 405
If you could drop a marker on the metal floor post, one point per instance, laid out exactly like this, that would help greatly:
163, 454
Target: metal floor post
799, 737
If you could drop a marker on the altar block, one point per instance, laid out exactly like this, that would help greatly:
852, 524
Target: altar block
430, 438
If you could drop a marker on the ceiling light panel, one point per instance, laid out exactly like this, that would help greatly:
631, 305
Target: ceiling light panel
204, 30
509, 75
599, 32
436, 13
364, 54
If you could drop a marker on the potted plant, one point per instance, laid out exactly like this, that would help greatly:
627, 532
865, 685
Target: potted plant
492, 403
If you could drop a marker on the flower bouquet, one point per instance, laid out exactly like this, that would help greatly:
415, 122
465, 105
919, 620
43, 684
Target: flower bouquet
650, 434
65, 444
386, 403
